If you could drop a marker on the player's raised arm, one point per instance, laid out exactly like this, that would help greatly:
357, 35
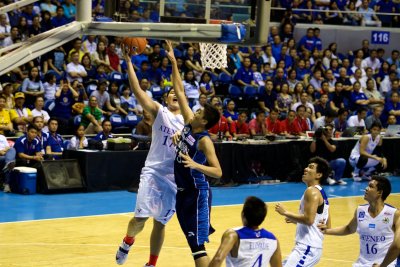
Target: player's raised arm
228, 240
143, 98
178, 85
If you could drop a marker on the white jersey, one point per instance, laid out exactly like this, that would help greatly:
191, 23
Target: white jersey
376, 235
311, 235
370, 146
160, 160
256, 248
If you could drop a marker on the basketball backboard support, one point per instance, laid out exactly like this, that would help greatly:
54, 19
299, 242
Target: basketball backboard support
256, 28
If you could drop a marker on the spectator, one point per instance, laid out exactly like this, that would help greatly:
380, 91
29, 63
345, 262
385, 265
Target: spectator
100, 56
144, 126
154, 73
372, 61
128, 102
310, 117
106, 133
387, 83
5, 29
340, 122
23, 28
221, 129
290, 126
386, 6
300, 119
284, 101
38, 111
36, 27
236, 57
20, 115
65, 98
230, 114
32, 86
79, 140
55, 142
269, 99
82, 95
391, 120
8, 95
366, 156
244, 75
115, 99
333, 14
200, 104
292, 80
113, 58
276, 47
6, 126
192, 62
358, 98
394, 58
47, 5
368, 15
75, 71
69, 10
56, 60
91, 70
374, 117
28, 149
325, 120
257, 57
89, 46
272, 123
307, 42
337, 98
358, 119
91, 117
323, 106
7, 161
12, 38
279, 78
103, 98
207, 85
392, 107
50, 87
258, 125
375, 99
323, 146
41, 136
59, 19
268, 57
191, 88
77, 48
241, 128
303, 101
351, 17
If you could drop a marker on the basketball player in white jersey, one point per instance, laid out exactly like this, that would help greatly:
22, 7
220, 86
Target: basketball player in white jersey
157, 188
375, 223
314, 208
249, 245
367, 154
394, 249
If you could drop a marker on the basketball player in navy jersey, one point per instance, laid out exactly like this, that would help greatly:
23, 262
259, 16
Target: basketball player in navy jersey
157, 189
375, 223
249, 245
194, 150
314, 208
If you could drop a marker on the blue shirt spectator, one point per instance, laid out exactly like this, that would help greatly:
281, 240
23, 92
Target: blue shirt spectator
103, 136
59, 19
307, 42
56, 143
26, 146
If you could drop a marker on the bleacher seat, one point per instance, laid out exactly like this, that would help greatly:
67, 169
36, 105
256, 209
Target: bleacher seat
66, 144
49, 105
157, 91
116, 120
224, 78
251, 92
235, 91
131, 120
261, 91
77, 120
225, 102
117, 77
91, 87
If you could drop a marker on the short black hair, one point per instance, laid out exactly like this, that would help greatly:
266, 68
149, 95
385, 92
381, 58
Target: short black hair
301, 106
254, 211
52, 119
30, 127
104, 121
322, 167
376, 124
383, 184
211, 115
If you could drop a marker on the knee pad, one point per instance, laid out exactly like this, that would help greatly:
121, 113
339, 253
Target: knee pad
198, 251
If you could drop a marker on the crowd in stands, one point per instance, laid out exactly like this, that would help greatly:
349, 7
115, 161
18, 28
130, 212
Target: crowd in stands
286, 87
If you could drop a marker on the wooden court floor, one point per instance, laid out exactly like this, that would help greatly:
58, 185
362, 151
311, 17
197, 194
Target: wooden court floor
93, 240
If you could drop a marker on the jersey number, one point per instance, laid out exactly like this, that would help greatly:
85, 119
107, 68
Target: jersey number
166, 139
372, 249
258, 262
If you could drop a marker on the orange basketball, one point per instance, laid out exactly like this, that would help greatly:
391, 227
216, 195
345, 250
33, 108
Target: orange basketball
136, 45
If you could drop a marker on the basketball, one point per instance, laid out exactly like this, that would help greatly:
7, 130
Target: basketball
136, 45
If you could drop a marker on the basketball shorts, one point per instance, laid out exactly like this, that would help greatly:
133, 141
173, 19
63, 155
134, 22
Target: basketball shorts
155, 198
303, 256
193, 212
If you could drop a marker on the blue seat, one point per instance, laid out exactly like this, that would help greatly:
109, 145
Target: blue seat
235, 91
261, 91
131, 120
157, 91
178, 53
250, 91
77, 120
225, 102
224, 78
116, 120
58, 76
49, 105
66, 144
117, 77
91, 87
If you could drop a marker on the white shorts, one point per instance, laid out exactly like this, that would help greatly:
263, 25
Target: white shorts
303, 255
156, 198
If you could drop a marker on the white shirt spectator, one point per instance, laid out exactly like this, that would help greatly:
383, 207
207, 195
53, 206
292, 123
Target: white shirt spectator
271, 60
363, 73
386, 85
74, 143
354, 122
373, 64
4, 29
191, 90
7, 41
308, 105
50, 91
361, 81
44, 114
101, 98
71, 67
3, 142
89, 47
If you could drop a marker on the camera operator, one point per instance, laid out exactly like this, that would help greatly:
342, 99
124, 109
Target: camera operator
324, 147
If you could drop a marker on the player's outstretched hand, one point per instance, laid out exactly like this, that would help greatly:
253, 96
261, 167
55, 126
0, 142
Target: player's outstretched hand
170, 53
280, 209
187, 161
176, 137
126, 52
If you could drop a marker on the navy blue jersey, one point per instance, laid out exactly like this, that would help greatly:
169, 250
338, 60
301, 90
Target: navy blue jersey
187, 178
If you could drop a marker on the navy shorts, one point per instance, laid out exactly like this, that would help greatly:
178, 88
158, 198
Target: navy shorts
193, 212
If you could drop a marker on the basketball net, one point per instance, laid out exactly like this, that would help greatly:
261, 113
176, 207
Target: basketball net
213, 56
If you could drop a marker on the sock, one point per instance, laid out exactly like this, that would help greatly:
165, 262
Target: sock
129, 240
153, 260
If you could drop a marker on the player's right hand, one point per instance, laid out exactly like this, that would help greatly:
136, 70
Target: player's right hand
322, 227
176, 137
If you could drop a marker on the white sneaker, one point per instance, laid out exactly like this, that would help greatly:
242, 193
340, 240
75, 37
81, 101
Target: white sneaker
330, 181
122, 253
146, 265
357, 178
341, 182
7, 188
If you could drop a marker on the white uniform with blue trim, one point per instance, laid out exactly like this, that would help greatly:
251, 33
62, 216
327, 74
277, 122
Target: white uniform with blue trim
376, 235
308, 249
256, 248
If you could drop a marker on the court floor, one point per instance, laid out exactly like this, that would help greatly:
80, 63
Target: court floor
85, 229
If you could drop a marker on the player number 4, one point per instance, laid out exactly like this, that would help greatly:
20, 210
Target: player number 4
258, 262
372, 249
